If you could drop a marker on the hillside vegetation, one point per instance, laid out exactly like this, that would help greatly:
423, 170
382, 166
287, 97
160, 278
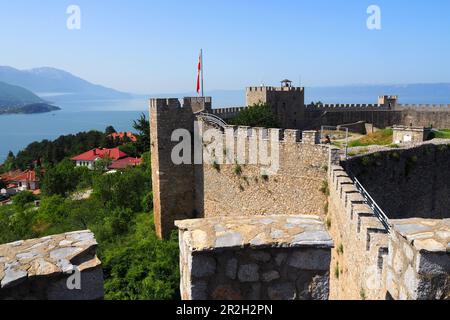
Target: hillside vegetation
136, 264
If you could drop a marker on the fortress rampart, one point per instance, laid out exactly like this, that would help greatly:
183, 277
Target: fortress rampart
346, 107
288, 105
358, 269
409, 261
374, 256
234, 189
407, 183
237, 186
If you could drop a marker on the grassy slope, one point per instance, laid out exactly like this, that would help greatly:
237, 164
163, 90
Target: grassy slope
443, 134
381, 137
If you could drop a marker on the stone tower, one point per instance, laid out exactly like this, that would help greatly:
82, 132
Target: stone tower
388, 101
170, 181
287, 102
174, 185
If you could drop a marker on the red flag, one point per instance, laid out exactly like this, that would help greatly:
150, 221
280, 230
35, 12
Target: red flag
199, 73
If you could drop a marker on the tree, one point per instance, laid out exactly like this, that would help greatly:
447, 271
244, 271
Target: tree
130, 149
124, 189
61, 179
142, 125
9, 163
258, 115
110, 130
23, 198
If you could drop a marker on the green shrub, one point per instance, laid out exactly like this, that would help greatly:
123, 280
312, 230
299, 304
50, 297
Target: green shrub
337, 271
23, 198
325, 188
237, 169
216, 166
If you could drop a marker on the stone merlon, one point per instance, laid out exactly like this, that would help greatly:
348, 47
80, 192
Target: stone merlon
40, 268
256, 232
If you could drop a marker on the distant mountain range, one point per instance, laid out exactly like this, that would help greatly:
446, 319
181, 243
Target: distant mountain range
14, 100
58, 85
14, 96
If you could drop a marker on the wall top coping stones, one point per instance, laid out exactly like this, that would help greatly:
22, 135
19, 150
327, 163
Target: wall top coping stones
48, 256
431, 235
257, 232
364, 151
409, 128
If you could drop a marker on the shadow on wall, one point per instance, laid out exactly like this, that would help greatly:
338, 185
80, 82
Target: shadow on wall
411, 183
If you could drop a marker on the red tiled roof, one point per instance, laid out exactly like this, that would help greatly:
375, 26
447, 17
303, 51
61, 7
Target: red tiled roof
122, 135
27, 176
92, 155
11, 175
126, 162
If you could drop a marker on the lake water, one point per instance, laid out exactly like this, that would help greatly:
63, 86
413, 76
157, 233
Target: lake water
17, 131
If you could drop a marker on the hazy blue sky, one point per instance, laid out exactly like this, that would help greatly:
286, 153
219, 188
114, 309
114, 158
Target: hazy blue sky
152, 46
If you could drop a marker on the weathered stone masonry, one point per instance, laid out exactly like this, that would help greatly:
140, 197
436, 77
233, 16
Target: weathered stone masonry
254, 258
411, 261
39, 269
295, 189
192, 191
220, 252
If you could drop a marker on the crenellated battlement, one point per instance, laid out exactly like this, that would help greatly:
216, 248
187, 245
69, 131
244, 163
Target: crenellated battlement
170, 103
347, 107
424, 107
361, 234
227, 113
274, 89
285, 136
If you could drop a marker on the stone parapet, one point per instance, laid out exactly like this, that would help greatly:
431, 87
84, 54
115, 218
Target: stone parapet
362, 237
252, 258
42, 268
419, 259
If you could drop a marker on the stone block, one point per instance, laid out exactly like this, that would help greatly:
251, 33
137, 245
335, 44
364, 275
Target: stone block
231, 268
203, 266
433, 263
260, 256
310, 260
248, 273
282, 291
320, 288
270, 276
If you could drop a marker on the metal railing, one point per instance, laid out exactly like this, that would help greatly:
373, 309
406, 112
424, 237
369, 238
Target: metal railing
379, 213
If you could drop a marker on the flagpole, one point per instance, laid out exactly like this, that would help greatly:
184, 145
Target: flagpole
201, 55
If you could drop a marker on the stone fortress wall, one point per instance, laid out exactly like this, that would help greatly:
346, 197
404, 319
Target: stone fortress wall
233, 189
292, 113
205, 190
365, 250
407, 183
409, 261
358, 264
